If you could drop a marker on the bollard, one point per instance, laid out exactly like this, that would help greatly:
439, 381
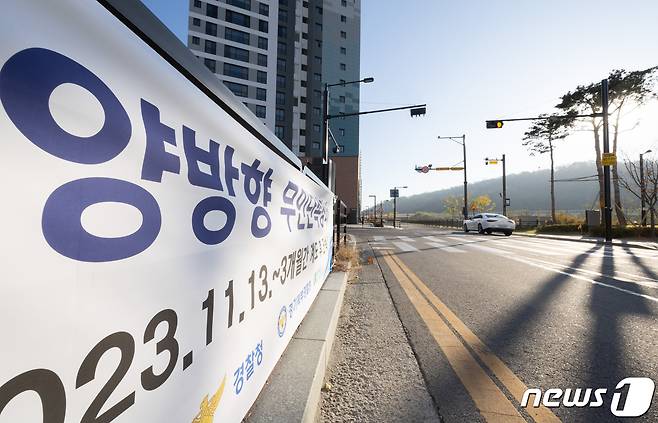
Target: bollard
345, 234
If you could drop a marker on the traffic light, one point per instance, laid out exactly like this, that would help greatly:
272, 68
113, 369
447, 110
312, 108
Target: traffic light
418, 111
494, 124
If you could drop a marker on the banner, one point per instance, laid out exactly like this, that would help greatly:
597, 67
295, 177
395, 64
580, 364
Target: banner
156, 257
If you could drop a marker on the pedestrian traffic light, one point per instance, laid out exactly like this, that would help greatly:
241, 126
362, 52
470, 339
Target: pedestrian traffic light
494, 124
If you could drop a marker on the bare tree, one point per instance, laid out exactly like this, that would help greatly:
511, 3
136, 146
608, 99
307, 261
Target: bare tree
633, 183
540, 139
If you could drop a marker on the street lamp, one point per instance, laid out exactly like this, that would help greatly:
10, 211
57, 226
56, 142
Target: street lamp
643, 213
395, 198
374, 206
463, 144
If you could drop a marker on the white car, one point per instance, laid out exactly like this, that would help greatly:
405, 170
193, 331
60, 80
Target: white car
488, 223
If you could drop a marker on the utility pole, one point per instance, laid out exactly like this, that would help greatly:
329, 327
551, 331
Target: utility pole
463, 144
606, 168
504, 188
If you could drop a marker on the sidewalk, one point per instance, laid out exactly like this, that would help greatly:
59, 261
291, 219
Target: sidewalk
373, 375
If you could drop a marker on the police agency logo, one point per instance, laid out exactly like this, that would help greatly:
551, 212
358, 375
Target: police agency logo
282, 321
630, 398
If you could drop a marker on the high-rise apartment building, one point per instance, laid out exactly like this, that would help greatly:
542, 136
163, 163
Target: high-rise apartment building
277, 55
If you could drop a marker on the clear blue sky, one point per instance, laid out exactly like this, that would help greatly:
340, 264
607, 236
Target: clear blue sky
477, 60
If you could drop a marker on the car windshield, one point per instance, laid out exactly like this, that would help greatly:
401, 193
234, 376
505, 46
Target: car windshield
499, 216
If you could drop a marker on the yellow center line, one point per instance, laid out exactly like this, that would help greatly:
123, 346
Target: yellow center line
491, 402
506, 377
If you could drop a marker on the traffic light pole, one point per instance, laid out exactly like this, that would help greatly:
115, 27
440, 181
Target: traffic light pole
395, 206
606, 168
465, 211
504, 188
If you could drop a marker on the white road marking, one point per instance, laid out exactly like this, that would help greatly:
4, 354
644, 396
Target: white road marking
405, 239
380, 238
444, 248
571, 275
433, 239
404, 246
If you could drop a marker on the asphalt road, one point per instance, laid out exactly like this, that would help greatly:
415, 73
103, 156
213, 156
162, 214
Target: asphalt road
488, 316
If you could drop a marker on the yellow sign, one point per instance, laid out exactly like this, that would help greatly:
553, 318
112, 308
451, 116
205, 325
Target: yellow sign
492, 162
609, 159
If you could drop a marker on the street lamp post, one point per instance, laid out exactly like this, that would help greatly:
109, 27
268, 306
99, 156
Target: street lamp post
395, 198
643, 213
463, 144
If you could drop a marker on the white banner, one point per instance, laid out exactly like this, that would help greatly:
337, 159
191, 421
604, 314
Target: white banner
156, 257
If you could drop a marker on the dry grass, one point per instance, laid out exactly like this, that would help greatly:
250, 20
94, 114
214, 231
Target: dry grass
346, 258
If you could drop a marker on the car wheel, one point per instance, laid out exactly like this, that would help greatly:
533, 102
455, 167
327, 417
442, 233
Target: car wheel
508, 233
480, 230
488, 231
465, 228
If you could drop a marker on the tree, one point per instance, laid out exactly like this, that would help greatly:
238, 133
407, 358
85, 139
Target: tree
633, 183
539, 139
625, 89
482, 203
453, 205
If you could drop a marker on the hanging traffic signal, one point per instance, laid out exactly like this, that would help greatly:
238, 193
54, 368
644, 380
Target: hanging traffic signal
418, 111
494, 124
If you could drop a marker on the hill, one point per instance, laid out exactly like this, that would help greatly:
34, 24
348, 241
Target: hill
528, 191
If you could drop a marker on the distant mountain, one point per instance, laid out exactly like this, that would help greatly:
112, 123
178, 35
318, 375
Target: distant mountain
527, 191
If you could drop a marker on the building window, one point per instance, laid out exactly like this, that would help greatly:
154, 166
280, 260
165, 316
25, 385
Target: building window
236, 71
317, 111
196, 41
318, 9
280, 98
318, 43
343, 18
305, 35
316, 145
211, 29
262, 43
196, 21
316, 128
261, 77
261, 112
341, 147
343, 66
210, 47
341, 99
318, 94
341, 131
211, 10
343, 3
197, 3
263, 9
302, 116
302, 132
263, 26
237, 36
262, 60
236, 53
305, 20
318, 27
343, 34
283, 15
210, 64
281, 65
317, 77
343, 50
238, 89
238, 18
243, 4
304, 84
282, 31
302, 149
280, 81
279, 132
305, 52
304, 67
342, 81
280, 115
261, 94
302, 100
281, 47
318, 60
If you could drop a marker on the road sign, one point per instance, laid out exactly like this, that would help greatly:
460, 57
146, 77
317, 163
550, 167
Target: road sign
493, 162
425, 169
609, 159
395, 193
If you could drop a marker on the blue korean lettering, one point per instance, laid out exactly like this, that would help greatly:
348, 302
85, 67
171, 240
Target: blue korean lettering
156, 159
249, 362
231, 173
63, 230
28, 79
194, 155
205, 235
238, 381
289, 194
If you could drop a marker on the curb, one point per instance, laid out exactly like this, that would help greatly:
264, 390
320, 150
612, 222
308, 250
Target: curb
590, 241
292, 392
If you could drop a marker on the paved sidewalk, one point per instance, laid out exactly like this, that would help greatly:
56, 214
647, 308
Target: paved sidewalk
630, 243
373, 373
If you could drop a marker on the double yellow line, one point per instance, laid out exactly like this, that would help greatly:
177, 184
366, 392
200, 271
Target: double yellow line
442, 323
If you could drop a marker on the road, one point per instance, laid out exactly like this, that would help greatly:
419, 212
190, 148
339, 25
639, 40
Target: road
489, 316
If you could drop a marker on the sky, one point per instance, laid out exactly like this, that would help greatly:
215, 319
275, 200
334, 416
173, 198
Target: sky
476, 60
